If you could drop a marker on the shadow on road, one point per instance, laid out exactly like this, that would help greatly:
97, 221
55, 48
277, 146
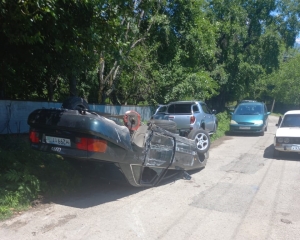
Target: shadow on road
288, 156
105, 183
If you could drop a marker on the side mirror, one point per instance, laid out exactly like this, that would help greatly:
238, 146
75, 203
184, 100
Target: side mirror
213, 111
231, 113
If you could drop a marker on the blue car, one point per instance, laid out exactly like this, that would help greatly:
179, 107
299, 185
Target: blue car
250, 117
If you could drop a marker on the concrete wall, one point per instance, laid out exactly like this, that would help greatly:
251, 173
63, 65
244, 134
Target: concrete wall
13, 114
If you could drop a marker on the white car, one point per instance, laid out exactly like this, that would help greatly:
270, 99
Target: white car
287, 137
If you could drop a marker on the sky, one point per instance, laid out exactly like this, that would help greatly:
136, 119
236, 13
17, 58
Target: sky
298, 40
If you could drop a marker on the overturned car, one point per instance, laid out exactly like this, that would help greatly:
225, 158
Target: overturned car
144, 153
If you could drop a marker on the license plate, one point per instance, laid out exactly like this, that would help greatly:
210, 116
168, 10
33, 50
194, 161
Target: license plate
245, 128
295, 148
58, 141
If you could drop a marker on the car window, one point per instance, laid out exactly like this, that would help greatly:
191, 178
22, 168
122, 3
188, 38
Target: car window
180, 108
205, 108
291, 120
162, 109
248, 109
195, 108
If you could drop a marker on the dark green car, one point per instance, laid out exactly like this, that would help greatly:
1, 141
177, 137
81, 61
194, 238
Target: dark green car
250, 117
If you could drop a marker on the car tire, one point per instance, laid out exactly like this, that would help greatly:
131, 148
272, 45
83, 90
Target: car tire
168, 125
75, 103
201, 138
262, 133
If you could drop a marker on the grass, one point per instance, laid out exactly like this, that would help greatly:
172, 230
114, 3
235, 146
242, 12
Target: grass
26, 175
276, 114
223, 125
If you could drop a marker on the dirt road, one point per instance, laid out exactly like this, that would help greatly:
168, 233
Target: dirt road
243, 193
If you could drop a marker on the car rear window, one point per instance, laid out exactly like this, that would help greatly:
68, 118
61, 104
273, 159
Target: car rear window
180, 108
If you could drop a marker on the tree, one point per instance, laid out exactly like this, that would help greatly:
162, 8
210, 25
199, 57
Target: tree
44, 44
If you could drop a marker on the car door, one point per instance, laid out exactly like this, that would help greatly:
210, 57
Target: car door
209, 119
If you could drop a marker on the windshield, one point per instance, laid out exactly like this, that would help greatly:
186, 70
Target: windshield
248, 110
291, 120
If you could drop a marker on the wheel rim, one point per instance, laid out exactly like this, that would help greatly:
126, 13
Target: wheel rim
202, 141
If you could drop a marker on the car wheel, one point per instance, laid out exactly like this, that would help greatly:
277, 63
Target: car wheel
262, 133
201, 138
75, 103
168, 125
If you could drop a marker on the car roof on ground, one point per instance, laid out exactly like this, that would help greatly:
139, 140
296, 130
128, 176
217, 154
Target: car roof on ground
292, 112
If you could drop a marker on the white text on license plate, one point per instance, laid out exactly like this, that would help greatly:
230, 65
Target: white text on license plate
295, 148
244, 127
58, 141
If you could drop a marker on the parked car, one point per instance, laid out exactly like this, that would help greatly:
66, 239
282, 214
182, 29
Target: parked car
250, 117
160, 108
193, 119
144, 154
287, 136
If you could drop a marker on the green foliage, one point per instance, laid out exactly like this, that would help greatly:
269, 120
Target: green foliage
284, 84
223, 125
143, 51
25, 174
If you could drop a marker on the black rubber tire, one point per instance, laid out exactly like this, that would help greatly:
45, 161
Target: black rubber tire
75, 103
168, 125
201, 138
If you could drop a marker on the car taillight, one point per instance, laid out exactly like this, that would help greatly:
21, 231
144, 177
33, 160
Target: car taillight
34, 136
91, 144
192, 119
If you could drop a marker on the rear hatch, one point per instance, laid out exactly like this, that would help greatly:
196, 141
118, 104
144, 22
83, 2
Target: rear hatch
77, 134
180, 113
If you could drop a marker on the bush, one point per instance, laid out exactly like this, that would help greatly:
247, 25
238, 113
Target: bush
25, 174
223, 125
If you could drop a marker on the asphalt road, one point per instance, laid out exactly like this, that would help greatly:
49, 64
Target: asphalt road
243, 193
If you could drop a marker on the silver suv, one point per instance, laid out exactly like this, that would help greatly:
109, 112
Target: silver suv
188, 115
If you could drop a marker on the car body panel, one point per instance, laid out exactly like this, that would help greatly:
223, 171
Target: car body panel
182, 111
249, 117
287, 136
147, 149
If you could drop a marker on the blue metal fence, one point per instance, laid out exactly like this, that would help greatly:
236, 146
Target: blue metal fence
13, 114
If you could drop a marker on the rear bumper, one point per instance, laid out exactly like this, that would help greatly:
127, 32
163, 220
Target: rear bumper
246, 129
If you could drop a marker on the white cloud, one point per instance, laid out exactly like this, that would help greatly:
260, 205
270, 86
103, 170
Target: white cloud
298, 40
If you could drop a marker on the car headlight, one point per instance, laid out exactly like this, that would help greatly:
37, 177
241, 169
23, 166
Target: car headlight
280, 140
233, 122
286, 140
258, 122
